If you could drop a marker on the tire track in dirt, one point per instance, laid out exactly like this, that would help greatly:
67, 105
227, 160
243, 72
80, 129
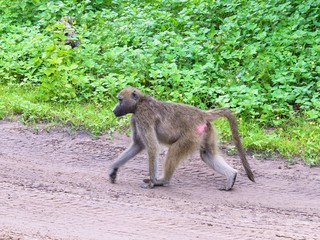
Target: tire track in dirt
54, 185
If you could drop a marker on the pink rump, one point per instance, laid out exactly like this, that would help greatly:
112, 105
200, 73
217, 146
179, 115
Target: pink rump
201, 128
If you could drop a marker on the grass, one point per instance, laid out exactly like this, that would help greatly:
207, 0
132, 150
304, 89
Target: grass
299, 139
23, 102
296, 140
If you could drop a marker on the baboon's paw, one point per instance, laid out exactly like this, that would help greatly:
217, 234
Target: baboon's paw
113, 175
147, 185
158, 183
146, 180
230, 183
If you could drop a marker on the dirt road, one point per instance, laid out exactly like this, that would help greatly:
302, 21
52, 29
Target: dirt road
55, 186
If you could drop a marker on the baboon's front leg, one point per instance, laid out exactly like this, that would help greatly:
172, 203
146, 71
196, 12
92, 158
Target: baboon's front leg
176, 153
129, 153
150, 140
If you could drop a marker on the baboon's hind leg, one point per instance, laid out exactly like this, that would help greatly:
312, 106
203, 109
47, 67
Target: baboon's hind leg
210, 155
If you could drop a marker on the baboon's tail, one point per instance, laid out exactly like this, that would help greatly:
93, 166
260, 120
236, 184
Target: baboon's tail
227, 113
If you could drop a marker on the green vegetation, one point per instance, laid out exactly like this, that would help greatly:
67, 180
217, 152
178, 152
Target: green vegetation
260, 58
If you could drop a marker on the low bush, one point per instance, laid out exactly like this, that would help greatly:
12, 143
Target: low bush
260, 58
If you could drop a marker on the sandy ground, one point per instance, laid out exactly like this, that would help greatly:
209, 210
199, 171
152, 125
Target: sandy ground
54, 185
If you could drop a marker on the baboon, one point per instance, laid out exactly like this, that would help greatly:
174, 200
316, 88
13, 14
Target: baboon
182, 128
70, 31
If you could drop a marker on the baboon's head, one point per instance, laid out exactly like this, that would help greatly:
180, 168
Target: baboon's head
128, 99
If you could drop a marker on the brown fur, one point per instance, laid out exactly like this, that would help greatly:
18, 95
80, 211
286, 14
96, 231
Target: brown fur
70, 31
183, 128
